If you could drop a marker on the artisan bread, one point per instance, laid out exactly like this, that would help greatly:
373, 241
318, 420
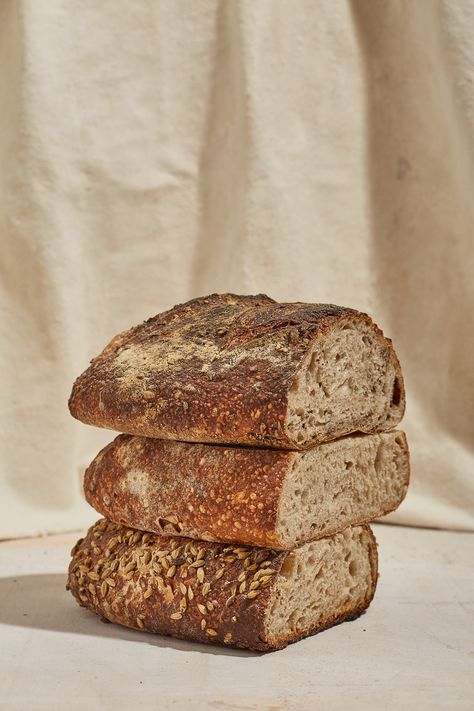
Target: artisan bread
263, 497
239, 596
245, 370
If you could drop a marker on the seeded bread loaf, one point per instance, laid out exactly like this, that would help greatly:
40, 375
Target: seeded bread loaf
257, 598
245, 370
261, 497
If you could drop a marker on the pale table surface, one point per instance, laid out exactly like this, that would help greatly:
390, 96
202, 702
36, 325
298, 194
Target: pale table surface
413, 649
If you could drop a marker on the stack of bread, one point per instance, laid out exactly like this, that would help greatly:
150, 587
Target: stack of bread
258, 443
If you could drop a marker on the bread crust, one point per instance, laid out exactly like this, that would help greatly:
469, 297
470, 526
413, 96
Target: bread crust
216, 369
209, 492
120, 574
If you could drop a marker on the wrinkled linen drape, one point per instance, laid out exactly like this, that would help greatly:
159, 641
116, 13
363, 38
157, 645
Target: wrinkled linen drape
153, 151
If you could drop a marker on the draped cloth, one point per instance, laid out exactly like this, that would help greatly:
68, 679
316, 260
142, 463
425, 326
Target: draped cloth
158, 150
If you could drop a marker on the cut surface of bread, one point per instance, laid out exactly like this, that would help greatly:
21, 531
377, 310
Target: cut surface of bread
257, 598
245, 370
344, 377
317, 579
259, 497
342, 483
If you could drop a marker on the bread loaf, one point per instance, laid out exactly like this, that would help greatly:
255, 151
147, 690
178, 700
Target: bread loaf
245, 370
262, 497
244, 597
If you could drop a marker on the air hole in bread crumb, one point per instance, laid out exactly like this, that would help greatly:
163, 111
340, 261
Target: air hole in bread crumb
353, 568
295, 386
396, 393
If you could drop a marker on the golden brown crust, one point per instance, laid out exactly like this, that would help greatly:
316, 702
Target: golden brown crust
215, 493
216, 369
153, 583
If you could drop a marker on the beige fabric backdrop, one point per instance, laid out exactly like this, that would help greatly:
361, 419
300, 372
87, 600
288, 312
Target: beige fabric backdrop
154, 151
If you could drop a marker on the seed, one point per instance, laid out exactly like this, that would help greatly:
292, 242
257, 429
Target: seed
114, 565
91, 589
145, 537
176, 616
200, 575
264, 580
242, 587
110, 582
137, 536
209, 606
165, 563
161, 553
203, 623
103, 588
230, 600
201, 608
228, 638
129, 575
219, 573
264, 571
197, 564
140, 623
241, 577
183, 588
83, 598
254, 585
183, 604
265, 563
148, 593
243, 555
129, 567
229, 559
205, 588
211, 632
234, 618
253, 593
146, 556
171, 571
201, 553
190, 593
112, 543
93, 576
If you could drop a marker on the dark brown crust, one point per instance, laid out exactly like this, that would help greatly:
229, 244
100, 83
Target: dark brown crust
217, 369
216, 493
146, 600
